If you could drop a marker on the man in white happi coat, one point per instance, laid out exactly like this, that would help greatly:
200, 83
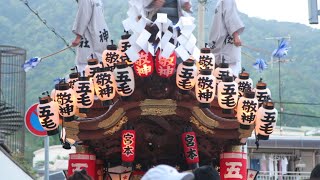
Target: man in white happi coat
225, 33
91, 30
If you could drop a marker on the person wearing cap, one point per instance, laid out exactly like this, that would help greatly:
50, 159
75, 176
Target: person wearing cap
224, 37
206, 173
315, 173
165, 172
80, 175
173, 8
91, 30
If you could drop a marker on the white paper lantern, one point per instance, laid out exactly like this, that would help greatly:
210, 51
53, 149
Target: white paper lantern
84, 93
247, 109
205, 87
186, 75
110, 56
65, 97
207, 59
48, 115
221, 71
104, 86
244, 83
262, 93
266, 120
73, 78
227, 94
124, 78
123, 46
91, 68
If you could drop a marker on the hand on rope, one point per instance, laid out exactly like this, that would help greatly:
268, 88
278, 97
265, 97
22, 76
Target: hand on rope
34, 61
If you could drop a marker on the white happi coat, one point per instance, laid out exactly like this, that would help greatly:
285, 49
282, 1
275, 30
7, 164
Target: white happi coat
91, 25
226, 21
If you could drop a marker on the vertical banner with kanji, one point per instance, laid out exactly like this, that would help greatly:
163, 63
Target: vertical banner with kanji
79, 161
128, 145
233, 166
190, 147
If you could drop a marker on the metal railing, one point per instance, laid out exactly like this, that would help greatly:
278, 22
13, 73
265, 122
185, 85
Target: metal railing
289, 176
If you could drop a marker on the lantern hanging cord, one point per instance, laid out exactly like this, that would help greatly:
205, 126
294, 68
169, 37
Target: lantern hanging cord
45, 23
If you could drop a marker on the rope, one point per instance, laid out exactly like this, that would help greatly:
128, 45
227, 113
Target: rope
56, 52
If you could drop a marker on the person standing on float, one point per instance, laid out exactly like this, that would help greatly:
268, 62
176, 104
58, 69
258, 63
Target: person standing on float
224, 37
91, 30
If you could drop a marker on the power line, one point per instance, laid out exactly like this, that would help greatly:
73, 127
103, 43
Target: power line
45, 23
299, 103
301, 115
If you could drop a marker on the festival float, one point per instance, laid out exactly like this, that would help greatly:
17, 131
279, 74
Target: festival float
151, 101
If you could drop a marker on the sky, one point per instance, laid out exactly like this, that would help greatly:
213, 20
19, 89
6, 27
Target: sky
280, 10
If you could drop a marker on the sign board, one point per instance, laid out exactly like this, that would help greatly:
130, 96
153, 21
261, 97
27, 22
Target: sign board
32, 123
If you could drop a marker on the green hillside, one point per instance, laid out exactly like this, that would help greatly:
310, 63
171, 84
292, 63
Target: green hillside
298, 77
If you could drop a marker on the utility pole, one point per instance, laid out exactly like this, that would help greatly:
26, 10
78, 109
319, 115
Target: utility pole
201, 11
46, 158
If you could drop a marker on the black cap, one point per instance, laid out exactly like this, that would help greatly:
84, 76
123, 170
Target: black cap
126, 36
44, 100
227, 79
206, 71
261, 85
112, 46
62, 86
268, 105
93, 61
74, 75
83, 78
121, 65
188, 62
205, 50
244, 75
249, 94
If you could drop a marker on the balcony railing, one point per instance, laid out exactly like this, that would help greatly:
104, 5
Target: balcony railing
265, 175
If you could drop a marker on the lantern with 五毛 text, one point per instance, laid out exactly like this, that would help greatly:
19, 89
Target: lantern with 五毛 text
65, 97
123, 46
104, 86
110, 56
84, 93
124, 78
165, 67
205, 87
144, 67
262, 92
48, 115
190, 146
227, 94
247, 109
266, 120
186, 75
222, 70
91, 68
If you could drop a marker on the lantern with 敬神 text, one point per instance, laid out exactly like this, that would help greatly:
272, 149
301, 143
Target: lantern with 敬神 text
247, 109
205, 87
104, 86
207, 59
227, 94
91, 68
48, 115
65, 97
110, 56
222, 70
84, 93
190, 147
165, 68
186, 75
124, 78
244, 82
262, 92
266, 120
144, 67
128, 146
123, 46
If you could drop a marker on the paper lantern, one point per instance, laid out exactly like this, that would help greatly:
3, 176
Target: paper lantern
73, 78
222, 70
207, 59
244, 83
48, 115
65, 97
128, 144
84, 93
105, 86
110, 56
124, 78
262, 93
91, 68
165, 68
266, 120
190, 147
233, 166
144, 67
247, 109
227, 94
123, 46
186, 75
205, 87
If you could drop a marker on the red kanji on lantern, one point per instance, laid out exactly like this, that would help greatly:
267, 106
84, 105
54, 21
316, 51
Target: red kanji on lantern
190, 147
128, 145
144, 65
165, 67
